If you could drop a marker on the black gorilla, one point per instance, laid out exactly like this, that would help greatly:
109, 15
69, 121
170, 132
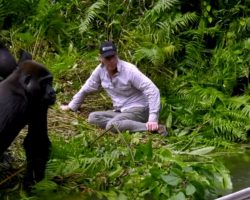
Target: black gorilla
7, 61
25, 97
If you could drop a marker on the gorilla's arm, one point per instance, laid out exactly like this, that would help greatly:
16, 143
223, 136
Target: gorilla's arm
37, 145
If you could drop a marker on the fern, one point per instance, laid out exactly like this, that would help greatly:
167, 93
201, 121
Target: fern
160, 7
209, 111
155, 55
91, 13
246, 110
179, 23
193, 58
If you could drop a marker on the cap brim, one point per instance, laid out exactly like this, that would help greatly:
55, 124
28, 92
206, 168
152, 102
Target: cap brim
108, 53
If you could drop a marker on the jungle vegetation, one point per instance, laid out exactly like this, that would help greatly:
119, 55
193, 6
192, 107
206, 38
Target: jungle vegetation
195, 51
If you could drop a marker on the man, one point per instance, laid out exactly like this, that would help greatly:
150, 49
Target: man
136, 99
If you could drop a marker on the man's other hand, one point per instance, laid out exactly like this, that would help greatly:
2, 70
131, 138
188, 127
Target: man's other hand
64, 107
152, 126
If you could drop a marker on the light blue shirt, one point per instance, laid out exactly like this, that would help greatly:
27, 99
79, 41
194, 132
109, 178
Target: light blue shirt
128, 88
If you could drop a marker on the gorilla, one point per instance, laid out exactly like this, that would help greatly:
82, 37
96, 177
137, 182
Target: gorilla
8, 63
25, 97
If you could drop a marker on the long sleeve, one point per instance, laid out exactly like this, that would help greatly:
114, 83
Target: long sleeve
91, 85
149, 89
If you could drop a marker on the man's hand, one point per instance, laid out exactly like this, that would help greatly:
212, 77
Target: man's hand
64, 107
152, 126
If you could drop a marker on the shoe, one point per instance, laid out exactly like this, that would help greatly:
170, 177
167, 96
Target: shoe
162, 130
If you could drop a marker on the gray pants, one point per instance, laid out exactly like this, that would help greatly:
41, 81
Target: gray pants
133, 119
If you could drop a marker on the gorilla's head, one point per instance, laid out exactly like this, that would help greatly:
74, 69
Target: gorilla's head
37, 82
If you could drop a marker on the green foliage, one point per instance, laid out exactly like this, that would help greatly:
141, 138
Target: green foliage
91, 13
104, 170
160, 7
208, 111
14, 13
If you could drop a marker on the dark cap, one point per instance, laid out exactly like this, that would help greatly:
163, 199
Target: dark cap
107, 49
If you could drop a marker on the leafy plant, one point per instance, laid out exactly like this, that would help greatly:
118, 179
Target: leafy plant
109, 172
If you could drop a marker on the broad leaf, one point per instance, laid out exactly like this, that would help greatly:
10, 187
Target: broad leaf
171, 179
202, 151
190, 189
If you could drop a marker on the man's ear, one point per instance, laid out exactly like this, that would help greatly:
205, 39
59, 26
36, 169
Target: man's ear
100, 59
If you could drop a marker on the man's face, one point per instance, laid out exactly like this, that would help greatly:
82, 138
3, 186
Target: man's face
110, 63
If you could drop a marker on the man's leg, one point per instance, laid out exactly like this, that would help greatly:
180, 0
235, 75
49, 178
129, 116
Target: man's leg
133, 120
101, 118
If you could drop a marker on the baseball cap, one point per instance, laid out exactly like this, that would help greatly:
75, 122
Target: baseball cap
107, 49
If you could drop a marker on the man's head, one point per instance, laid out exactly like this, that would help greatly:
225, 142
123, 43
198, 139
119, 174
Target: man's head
107, 49
109, 57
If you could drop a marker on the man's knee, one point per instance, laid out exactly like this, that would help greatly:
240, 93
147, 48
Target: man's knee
112, 126
92, 119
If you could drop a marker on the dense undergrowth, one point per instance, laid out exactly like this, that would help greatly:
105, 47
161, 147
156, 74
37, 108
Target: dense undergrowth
89, 163
92, 164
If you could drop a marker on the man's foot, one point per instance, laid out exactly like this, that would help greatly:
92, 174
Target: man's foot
162, 130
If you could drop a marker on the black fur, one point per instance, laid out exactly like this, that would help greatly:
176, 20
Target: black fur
8, 63
25, 97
